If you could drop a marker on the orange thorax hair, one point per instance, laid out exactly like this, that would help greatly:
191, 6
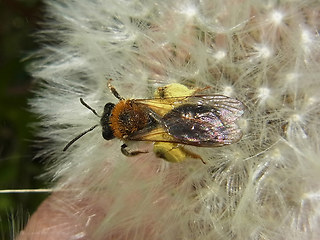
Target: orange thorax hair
127, 117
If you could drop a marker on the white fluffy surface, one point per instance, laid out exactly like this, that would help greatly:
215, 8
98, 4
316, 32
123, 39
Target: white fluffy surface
264, 53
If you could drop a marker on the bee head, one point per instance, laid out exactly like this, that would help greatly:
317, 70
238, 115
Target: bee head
107, 133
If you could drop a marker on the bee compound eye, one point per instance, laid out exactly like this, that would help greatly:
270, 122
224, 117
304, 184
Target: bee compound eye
104, 121
107, 133
108, 108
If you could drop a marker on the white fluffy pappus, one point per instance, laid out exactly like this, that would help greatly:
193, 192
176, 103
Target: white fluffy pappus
264, 53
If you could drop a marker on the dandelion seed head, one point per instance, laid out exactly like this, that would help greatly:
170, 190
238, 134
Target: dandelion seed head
251, 189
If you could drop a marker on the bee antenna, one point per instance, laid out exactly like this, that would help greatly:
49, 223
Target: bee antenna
113, 90
87, 106
79, 136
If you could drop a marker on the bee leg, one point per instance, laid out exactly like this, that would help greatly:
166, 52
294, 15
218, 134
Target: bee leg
128, 153
114, 91
192, 154
198, 90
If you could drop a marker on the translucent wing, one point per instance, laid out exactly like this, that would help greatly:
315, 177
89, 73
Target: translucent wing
201, 125
230, 109
200, 120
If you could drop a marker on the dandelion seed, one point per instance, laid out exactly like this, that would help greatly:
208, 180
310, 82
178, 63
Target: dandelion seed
263, 51
219, 55
277, 17
264, 94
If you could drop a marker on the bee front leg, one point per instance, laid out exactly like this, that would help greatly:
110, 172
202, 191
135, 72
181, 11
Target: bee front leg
128, 153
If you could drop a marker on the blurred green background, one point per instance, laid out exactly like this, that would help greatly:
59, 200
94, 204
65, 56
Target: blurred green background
18, 167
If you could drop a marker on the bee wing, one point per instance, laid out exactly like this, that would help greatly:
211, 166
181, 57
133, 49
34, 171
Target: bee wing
158, 134
202, 125
200, 120
229, 109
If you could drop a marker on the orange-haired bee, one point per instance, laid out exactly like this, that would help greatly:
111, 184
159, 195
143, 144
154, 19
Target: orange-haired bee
188, 119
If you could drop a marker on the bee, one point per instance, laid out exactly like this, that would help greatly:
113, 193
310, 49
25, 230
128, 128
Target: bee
176, 116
